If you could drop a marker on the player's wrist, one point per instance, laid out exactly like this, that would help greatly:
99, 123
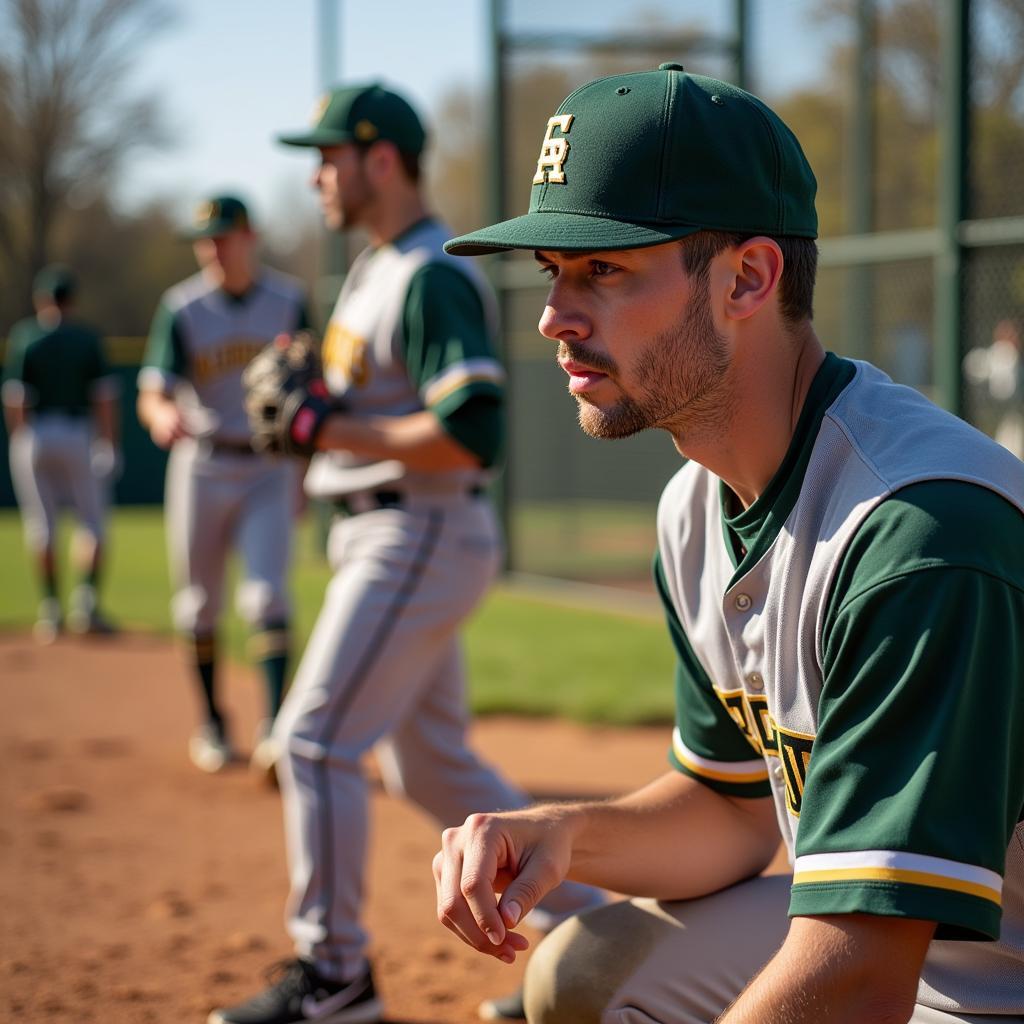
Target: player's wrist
307, 418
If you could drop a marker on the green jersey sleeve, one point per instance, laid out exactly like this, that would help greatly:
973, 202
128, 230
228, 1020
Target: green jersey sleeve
14, 359
15, 389
916, 782
165, 358
450, 358
710, 741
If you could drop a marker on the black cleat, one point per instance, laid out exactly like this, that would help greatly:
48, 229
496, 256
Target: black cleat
301, 996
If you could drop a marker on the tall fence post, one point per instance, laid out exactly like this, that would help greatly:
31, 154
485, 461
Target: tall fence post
860, 182
498, 179
955, 29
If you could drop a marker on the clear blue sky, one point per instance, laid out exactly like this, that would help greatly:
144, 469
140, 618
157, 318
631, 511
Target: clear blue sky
232, 73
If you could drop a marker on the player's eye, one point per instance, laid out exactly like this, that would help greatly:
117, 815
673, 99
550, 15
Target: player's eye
598, 268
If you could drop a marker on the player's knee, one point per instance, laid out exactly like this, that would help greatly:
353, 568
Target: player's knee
89, 533
573, 974
192, 612
259, 601
38, 535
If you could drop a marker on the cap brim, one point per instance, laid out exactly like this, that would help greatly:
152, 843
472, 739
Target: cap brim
565, 232
192, 234
210, 231
316, 139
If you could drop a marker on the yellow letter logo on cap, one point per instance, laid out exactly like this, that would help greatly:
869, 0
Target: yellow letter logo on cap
553, 151
320, 109
366, 131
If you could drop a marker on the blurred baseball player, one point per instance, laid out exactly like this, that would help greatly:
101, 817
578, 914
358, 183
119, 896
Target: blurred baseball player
995, 374
61, 407
220, 494
408, 358
842, 567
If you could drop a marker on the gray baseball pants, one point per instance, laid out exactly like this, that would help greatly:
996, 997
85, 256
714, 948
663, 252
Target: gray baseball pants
50, 466
216, 502
643, 961
383, 669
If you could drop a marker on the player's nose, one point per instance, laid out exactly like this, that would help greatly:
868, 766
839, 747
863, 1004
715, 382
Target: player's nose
561, 322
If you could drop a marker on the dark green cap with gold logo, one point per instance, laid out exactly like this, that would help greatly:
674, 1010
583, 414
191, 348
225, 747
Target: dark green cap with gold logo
644, 158
57, 281
363, 114
218, 216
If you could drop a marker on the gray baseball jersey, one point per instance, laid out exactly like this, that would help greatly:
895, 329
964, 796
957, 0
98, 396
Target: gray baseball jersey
376, 369
846, 644
220, 494
412, 557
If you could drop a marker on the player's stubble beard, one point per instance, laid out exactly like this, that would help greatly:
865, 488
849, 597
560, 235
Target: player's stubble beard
681, 381
349, 206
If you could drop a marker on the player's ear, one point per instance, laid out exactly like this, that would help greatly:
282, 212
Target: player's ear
381, 160
755, 268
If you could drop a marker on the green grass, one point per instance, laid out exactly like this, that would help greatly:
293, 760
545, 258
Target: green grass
526, 654
597, 540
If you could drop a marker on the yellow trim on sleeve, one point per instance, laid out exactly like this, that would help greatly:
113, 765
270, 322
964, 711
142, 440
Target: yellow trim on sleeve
709, 773
439, 394
897, 875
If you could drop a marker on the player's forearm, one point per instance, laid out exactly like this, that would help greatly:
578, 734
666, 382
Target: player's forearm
15, 416
105, 413
673, 839
841, 969
418, 440
149, 406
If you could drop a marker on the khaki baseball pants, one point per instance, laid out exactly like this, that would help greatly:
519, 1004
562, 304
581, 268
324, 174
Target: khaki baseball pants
643, 961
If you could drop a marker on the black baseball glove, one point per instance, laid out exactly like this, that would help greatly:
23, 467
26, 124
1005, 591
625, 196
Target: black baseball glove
286, 399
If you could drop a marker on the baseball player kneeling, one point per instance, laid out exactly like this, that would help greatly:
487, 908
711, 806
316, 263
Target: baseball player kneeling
842, 569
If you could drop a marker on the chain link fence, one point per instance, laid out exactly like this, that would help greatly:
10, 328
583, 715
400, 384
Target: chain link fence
584, 509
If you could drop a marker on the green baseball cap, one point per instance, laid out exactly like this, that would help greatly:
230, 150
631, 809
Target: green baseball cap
362, 113
56, 281
644, 158
218, 216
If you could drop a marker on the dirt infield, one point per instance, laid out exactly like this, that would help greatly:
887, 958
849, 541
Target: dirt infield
135, 889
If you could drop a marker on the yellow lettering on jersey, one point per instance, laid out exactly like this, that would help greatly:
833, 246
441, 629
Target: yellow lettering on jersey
553, 151
735, 703
344, 353
763, 723
750, 713
227, 358
795, 752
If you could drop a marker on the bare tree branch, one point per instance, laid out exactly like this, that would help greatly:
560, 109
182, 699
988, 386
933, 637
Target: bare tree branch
67, 116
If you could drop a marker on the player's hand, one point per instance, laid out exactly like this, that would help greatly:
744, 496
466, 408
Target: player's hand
167, 425
522, 855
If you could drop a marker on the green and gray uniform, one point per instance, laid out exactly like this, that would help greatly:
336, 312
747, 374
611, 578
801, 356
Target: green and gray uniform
219, 493
56, 372
412, 555
853, 644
